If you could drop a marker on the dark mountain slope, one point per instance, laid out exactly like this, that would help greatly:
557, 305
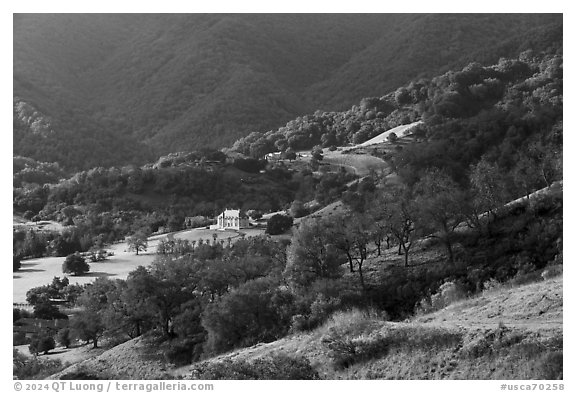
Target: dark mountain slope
430, 45
179, 82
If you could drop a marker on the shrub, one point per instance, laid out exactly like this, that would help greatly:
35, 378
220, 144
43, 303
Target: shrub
353, 322
298, 209
279, 223
75, 265
197, 222
448, 293
25, 367
275, 367
18, 313
184, 352
16, 262
19, 338
551, 366
42, 343
552, 271
320, 310
492, 341
63, 337
81, 373
492, 285
346, 350
46, 310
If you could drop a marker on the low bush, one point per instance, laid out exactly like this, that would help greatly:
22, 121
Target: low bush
81, 373
278, 224
448, 293
41, 343
25, 367
346, 351
493, 341
551, 272
19, 338
491, 285
277, 367
320, 309
551, 366
353, 322
184, 352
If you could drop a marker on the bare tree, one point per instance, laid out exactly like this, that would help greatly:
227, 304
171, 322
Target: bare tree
441, 205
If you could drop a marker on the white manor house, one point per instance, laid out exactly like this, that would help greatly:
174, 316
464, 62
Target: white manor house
230, 219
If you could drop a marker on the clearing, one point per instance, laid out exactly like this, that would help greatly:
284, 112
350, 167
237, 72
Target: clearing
40, 271
400, 131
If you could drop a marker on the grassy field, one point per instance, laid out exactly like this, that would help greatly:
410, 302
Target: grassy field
362, 164
40, 271
400, 131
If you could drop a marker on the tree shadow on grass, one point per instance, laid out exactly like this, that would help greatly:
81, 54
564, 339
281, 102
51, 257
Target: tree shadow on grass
27, 264
97, 274
30, 270
53, 352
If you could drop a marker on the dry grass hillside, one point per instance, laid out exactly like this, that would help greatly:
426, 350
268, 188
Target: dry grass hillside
400, 131
534, 307
135, 359
507, 333
511, 332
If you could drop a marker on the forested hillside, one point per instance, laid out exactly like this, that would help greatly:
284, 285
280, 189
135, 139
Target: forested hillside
503, 112
506, 118
118, 89
452, 212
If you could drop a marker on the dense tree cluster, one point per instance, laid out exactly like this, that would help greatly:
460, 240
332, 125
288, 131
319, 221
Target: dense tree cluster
28, 171
188, 295
489, 111
102, 205
57, 289
34, 244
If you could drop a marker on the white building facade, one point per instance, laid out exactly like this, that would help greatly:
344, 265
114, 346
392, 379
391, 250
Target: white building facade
230, 219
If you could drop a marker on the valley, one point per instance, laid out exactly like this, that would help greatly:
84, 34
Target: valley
322, 196
39, 271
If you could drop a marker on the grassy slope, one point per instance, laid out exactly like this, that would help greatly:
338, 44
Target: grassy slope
535, 307
510, 333
517, 329
400, 131
135, 359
